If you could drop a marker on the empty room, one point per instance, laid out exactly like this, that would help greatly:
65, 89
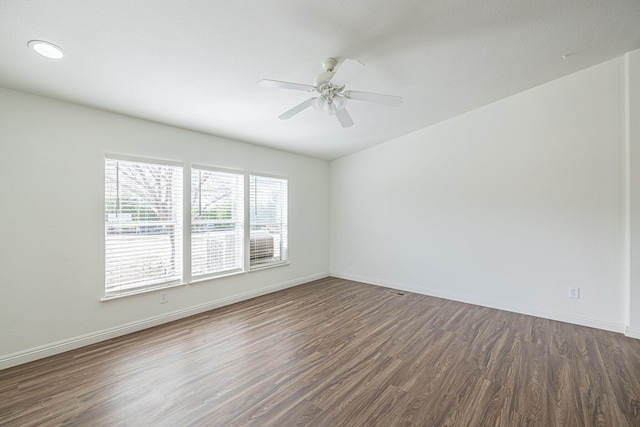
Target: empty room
416, 213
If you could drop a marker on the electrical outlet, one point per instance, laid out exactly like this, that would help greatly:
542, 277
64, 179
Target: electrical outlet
574, 292
163, 297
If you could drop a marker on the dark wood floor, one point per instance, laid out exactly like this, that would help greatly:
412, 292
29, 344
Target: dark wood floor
337, 353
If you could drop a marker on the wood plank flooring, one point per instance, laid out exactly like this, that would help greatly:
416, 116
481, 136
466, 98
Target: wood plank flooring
337, 353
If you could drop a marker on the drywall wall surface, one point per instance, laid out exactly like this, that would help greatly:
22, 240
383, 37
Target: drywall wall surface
52, 222
633, 139
508, 206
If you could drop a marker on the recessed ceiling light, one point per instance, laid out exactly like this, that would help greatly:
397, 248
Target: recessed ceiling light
46, 49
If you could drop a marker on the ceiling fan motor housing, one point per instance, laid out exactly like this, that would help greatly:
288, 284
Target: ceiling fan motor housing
323, 79
322, 82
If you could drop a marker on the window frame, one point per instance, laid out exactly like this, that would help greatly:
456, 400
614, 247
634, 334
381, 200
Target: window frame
184, 227
284, 234
177, 206
241, 218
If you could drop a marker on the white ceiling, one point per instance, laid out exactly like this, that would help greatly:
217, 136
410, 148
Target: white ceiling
195, 64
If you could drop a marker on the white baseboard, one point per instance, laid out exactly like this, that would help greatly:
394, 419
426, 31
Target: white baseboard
51, 349
500, 305
632, 333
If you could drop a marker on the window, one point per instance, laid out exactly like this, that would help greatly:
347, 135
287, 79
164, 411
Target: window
143, 225
268, 220
143, 219
217, 221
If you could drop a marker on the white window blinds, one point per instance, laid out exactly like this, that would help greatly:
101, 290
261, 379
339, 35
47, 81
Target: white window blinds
268, 220
217, 222
143, 225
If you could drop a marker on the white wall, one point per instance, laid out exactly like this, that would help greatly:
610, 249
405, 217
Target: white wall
52, 232
633, 140
505, 206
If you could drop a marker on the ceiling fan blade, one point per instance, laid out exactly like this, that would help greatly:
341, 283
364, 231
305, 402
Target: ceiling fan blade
348, 69
286, 85
295, 110
344, 117
373, 97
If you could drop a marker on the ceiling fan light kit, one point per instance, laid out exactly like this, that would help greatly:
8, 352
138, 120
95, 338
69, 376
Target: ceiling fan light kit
330, 85
329, 104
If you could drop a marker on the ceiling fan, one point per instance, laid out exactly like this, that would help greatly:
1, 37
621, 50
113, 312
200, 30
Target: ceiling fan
332, 96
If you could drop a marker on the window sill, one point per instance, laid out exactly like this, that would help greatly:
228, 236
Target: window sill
107, 298
199, 280
268, 265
